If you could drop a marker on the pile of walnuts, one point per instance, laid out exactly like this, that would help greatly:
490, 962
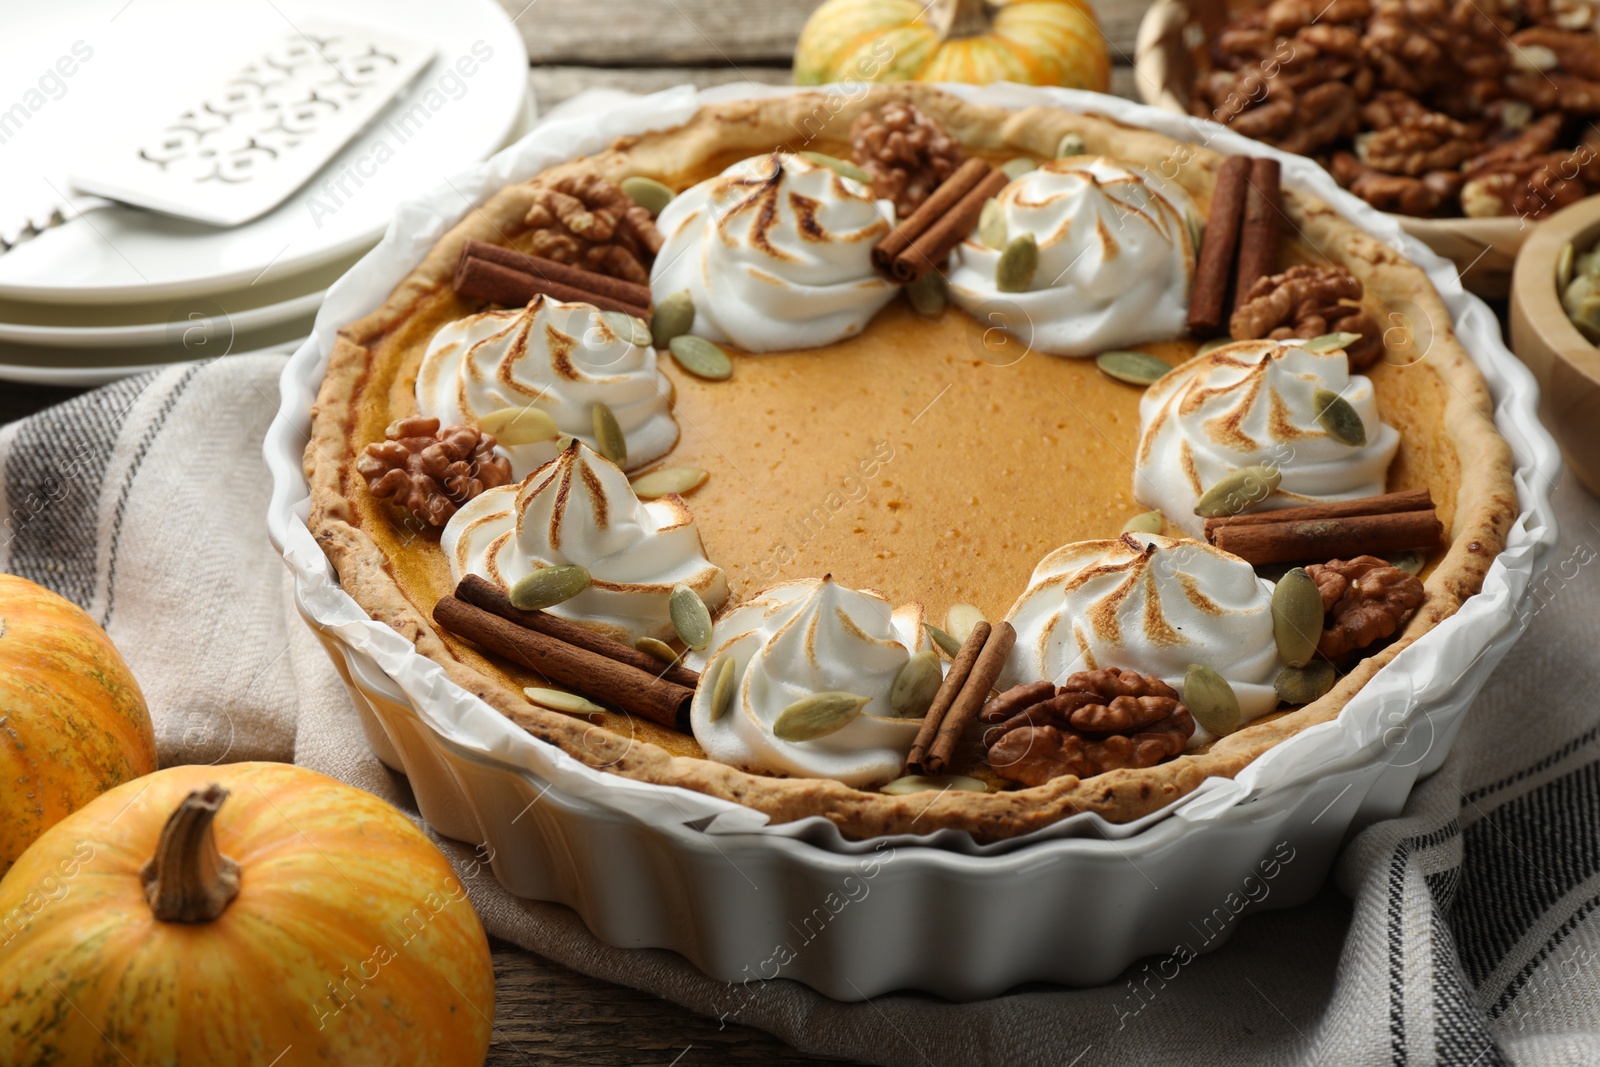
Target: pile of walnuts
1421, 107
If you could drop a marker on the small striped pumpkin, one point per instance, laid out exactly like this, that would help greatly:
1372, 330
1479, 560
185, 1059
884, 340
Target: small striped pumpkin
1034, 42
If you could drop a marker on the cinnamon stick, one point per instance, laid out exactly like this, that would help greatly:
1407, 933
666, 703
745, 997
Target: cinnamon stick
617, 684
482, 279
928, 249
1214, 270
1387, 504
1334, 538
946, 695
589, 281
970, 700
940, 201
482, 593
1258, 234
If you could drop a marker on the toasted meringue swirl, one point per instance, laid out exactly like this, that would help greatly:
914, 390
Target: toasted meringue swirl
803, 637
1250, 403
579, 508
563, 358
1116, 258
1153, 604
776, 252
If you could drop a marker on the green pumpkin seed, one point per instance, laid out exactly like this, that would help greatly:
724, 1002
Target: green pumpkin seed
556, 700
655, 647
1296, 617
915, 685
817, 715
1135, 368
1148, 522
549, 586
608, 435
1016, 168
961, 620
672, 317
948, 644
647, 193
665, 480
1304, 685
1338, 418
701, 358
1197, 230
927, 294
722, 689
519, 426
838, 166
1238, 491
929, 783
628, 327
1210, 699
1212, 345
1410, 562
1564, 261
992, 224
1071, 144
1014, 272
690, 617
1330, 342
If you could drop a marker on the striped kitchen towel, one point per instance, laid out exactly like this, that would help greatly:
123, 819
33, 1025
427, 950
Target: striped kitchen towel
1464, 932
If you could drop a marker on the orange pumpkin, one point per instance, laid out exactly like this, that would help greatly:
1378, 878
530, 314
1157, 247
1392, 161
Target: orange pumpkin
72, 720
253, 913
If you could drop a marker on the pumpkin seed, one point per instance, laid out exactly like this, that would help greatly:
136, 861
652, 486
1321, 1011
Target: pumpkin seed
564, 442
1014, 272
1148, 522
647, 193
961, 619
1296, 617
817, 715
701, 358
556, 700
1564, 260
1303, 685
1238, 491
927, 783
549, 586
652, 646
1016, 168
664, 480
519, 426
1410, 562
722, 689
628, 327
1197, 230
1338, 417
1330, 342
673, 316
1212, 345
949, 645
927, 294
915, 685
838, 166
689, 616
1135, 368
1210, 699
608, 435
992, 224
1071, 144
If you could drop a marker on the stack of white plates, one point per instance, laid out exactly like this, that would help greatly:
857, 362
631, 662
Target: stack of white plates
119, 290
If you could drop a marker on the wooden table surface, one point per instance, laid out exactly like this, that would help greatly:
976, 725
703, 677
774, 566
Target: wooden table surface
545, 1013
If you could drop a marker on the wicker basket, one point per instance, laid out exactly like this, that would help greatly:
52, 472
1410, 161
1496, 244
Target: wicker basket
1170, 49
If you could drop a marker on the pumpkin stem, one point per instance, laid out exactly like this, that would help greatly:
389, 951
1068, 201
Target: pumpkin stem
954, 19
188, 880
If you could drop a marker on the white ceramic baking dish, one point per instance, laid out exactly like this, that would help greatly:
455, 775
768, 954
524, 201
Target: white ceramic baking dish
652, 866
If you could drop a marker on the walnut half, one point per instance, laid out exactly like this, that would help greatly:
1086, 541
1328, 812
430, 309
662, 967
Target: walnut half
430, 472
1365, 600
1308, 302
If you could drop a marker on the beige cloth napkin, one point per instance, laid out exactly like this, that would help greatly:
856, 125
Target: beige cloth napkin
1466, 931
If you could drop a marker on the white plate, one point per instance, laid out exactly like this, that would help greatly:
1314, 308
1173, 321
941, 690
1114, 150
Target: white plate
155, 333
88, 377
134, 62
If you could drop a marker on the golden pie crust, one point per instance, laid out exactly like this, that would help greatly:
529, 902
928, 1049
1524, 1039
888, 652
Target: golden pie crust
998, 465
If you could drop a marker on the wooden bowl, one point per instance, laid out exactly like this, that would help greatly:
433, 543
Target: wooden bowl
1562, 359
1169, 50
